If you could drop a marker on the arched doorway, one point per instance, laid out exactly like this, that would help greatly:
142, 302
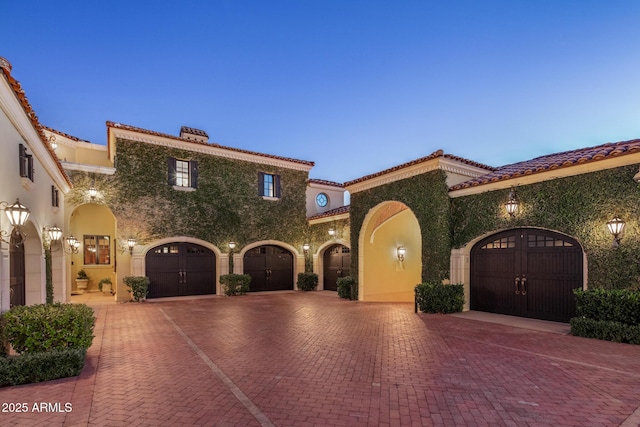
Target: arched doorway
179, 269
270, 268
526, 272
382, 275
17, 279
336, 263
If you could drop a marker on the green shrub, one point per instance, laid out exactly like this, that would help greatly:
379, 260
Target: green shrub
36, 367
439, 298
617, 305
307, 281
235, 284
82, 275
605, 330
43, 327
138, 286
105, 281
347, 288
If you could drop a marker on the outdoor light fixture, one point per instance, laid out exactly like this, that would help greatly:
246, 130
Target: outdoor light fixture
232, 245
55, 233
53, 143
131, 242
401, 251
332, 232
17, 214
72, 245
616, 227
512, 204
305, 248
93, 192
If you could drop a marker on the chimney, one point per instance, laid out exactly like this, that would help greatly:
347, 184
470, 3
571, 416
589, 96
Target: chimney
193, 134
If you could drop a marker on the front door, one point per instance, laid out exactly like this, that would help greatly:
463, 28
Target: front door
337, 264
181, 268
526, 272
270, 268
16, 271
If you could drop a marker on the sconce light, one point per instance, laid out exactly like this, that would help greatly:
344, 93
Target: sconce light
232, 246
401, 251
332, 232
17, 214
131, 242
93, 192
512, 204
55, 233
616, 227
305, 248
56, 238
53, 143
72, 244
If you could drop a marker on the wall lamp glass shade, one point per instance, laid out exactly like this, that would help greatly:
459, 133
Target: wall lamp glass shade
332, 231
512, 204
401, 252
131, 242
55, 233
616, 227
93, 192
306, 247
73, 244
17, 214
232, 245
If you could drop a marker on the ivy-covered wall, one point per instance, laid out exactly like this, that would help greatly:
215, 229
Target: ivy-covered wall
427, 197
225, 207
578, 206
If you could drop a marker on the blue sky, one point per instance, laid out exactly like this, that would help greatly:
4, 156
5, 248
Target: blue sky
356, 86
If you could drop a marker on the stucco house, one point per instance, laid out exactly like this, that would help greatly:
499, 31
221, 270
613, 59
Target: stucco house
184, 210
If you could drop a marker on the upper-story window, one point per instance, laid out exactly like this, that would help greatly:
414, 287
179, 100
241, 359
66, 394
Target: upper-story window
269, 185
183, 174
96, 249
322, 200
26, 163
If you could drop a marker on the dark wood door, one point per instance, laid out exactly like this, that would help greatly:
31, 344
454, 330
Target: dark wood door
16, 272
270, 268
178, 269
526, 272
337, 264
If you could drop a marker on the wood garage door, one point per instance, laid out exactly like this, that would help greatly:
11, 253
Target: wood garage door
337, 263
180, 268
270, 268
526, 272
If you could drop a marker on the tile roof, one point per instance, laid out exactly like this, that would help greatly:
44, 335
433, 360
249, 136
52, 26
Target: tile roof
333, 212
554, 161
111, 124
66, 135
434, 155
5, 68
325, 182
193, 131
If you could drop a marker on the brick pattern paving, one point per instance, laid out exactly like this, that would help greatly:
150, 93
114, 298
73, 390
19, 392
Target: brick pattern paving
310, 359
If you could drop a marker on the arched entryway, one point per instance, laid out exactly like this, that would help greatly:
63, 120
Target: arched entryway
270, 268
336, 263
382, 276
526, 272
179, 269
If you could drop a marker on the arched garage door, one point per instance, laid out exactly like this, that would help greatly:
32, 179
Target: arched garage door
181, 268
337, 264
270, 268
526, 272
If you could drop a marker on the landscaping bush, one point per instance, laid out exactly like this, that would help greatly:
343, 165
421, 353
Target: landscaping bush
347, 288
439, 298
235, 284
307, 281
36, 367
43, 327
138, 286
617, 305
605, 330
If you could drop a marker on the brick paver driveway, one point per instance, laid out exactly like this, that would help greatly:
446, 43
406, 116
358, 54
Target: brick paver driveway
311, 359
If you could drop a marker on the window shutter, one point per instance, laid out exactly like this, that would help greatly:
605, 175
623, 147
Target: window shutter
193, 165
172, 170
23, 160
30, 167
276, 184
260, 183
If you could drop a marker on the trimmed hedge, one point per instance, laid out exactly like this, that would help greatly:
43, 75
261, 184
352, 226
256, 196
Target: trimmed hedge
138, 286
45, 366
605, 330
439, 298
617, 305
307, 281
44, 327
235, 284
347, 288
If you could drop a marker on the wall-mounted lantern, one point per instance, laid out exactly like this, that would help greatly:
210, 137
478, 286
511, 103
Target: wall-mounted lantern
305, 248
332, 232
53, 143
17, 214
131, 242
73, 244
57, 240
93, 192
232, 246
401, 252
512, 204
616, 227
